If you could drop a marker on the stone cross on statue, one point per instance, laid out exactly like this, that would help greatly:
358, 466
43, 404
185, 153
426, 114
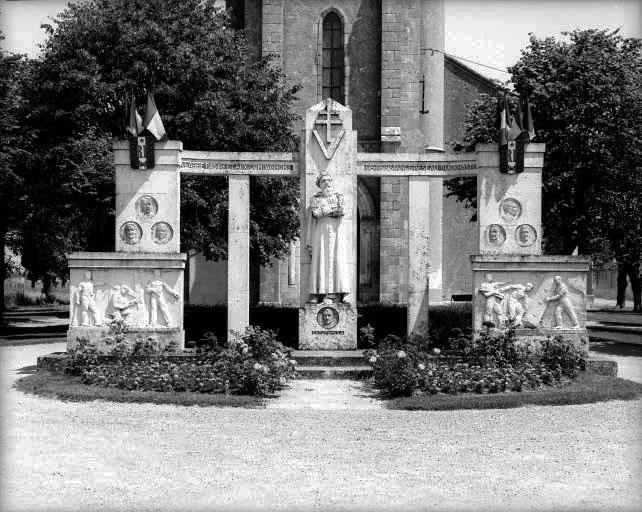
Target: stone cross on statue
328, 116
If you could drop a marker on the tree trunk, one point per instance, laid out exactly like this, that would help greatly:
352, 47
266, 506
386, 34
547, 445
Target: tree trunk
636, 286
621, 285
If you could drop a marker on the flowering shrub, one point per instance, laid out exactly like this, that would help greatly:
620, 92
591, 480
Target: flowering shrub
252, 363
492, 363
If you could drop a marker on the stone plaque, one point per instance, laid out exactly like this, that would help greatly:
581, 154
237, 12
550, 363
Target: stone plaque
327, 327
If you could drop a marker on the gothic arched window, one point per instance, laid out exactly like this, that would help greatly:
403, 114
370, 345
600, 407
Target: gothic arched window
332, 72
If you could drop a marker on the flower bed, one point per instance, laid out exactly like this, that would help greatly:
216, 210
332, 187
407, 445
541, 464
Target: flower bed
492, 363
252, 363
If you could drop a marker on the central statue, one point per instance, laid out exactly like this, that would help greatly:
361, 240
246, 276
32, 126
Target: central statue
328, 281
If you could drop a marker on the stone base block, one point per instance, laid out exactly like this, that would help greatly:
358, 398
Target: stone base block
328, 327
165, 337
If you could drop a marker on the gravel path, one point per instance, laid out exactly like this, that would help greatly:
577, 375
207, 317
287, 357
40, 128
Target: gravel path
104, 456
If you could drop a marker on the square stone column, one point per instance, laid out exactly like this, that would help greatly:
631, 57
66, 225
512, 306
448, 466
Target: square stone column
238, 254
148, 200
509, 206
329, 146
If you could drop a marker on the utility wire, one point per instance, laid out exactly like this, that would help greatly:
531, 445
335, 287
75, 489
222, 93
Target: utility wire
465, 59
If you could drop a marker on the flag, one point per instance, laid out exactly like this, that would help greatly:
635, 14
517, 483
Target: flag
134, 122
501, 121
527, 124
512, 128
153, 123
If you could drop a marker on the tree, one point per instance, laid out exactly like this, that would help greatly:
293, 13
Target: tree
587, 105
208, 93
11, 68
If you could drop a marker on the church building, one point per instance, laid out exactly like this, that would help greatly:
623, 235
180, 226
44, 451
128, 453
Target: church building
384, 60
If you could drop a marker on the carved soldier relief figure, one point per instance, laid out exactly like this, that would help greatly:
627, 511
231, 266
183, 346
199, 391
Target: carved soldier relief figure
121, 303
131, 233
328, 266
494, 310
157, 302
86, 301
562, 304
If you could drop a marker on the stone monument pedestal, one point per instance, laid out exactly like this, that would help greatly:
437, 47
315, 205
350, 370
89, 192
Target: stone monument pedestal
328, 327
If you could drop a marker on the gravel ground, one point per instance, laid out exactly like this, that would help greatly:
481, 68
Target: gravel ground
104, 456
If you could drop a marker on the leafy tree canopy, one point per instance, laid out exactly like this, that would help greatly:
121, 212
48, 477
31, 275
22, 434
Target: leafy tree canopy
210, 96
587, 104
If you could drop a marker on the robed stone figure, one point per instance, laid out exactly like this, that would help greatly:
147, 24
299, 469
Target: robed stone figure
324, 241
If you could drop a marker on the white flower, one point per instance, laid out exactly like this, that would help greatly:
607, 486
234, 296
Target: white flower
436, 351
401, 354
265, 369
421, 366
372, 360
282, 381
274, 356
293, 362
245, 350
257, 366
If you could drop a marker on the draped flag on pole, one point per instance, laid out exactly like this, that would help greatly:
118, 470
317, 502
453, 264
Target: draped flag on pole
527, 123
511, 148
152, 122
134, 121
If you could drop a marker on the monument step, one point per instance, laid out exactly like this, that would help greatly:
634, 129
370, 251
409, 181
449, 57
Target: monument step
334, 372
328, 357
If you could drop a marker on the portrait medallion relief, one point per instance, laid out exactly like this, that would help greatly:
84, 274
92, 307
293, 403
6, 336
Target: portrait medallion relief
496, 234
328, 317
162, 233
510, 209
525, 235
131, 233
146, 207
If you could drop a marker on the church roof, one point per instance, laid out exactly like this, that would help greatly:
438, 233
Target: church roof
467, 69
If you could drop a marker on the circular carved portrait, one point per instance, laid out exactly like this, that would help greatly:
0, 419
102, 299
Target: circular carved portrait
162, 232
328, 317
146, 207
510, 209
496, 234
130, 233
525, 235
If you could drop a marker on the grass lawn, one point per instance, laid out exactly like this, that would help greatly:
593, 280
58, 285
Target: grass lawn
587, 388
71, 389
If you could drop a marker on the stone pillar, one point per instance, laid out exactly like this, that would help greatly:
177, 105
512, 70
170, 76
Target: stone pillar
419, 246
509, 206
329, 146
148, 201
432, 127
238, 254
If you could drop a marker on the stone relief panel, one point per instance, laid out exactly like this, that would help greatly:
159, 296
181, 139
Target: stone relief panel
510, 209
496, 235
553, 304
162, 233
135, 297
131, 232
328, 317
525, 235
146, 207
